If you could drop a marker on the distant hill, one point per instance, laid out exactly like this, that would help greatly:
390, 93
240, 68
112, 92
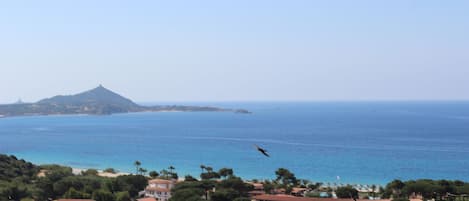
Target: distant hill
98, 101
98, 95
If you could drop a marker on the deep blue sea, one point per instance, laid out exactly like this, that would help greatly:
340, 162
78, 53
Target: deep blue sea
362, 142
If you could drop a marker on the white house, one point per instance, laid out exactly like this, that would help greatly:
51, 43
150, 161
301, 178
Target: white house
159, 189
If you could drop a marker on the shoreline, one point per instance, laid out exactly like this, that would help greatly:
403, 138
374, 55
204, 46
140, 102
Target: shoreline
101, 173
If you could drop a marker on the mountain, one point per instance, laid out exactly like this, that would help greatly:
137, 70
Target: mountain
98, 101
98, 95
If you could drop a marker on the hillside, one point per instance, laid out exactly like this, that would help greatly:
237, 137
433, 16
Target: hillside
98, 101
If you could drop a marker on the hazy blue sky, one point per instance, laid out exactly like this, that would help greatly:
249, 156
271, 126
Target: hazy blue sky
236, 50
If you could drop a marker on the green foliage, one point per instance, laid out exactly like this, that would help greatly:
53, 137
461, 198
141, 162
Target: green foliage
188, 194
225, 172
313, 195
268, 187
110, 170
286, 177
346, 192
103, 195
225, 195
90, 172
11, 167
209, 175
189, 178
132, 183
123, 196
14, 191
153, 174
74, 194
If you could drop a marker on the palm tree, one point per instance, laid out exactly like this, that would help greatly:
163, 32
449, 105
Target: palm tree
202, 167
137, 166
142, 171
164, 173
171, 168
373, 188
209, 169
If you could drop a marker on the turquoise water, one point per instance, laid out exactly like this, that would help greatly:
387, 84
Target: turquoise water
362, 142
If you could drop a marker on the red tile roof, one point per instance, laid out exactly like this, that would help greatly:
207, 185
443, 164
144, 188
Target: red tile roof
157, 189
146, 199
160, 181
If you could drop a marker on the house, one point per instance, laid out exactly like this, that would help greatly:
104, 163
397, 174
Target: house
258, 189
147, 199
299, 191
159, 189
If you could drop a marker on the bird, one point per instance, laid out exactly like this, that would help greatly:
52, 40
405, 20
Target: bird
263, 151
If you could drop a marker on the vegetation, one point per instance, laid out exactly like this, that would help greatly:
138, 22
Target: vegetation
229, 188
21, 180
346, 192
99, 101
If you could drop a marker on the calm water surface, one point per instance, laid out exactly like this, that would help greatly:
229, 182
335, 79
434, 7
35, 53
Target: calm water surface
362, 142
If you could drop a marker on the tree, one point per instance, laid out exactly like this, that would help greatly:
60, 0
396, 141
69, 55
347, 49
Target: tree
225, 172
14, 192
153, 174
90, 172
123, 196
110, 170
137, 165
268, 187
236, 184
396, 187
102, 195
373, 190
209, 175
164, 173
189, 178
209, 169
132, 183
224, 195
171, 169
202, 167
286, 177
314, 186
346, 192
142, 171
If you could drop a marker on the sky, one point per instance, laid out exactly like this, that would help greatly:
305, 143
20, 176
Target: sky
236, 50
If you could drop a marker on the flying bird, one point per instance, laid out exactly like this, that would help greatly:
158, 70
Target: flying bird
263, 151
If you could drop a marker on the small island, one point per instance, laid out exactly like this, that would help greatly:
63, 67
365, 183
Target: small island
98, 101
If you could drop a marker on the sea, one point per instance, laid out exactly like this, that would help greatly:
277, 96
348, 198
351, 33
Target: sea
333, 142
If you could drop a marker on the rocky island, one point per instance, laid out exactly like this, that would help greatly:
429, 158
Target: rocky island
98, 101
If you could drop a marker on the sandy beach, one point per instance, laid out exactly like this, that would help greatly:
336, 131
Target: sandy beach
101, 173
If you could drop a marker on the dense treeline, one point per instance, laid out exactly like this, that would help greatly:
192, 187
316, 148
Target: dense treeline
24, 181
20, 180
229, 188
426, 188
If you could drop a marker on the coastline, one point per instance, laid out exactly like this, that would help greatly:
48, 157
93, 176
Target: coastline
101, 173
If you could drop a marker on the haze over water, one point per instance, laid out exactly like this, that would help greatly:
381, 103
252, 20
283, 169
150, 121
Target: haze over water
362, 142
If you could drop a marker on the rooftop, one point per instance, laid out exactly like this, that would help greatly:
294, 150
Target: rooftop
160, 181
146, 199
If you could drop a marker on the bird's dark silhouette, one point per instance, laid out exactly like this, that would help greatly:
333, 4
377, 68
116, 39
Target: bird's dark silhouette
263, 151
